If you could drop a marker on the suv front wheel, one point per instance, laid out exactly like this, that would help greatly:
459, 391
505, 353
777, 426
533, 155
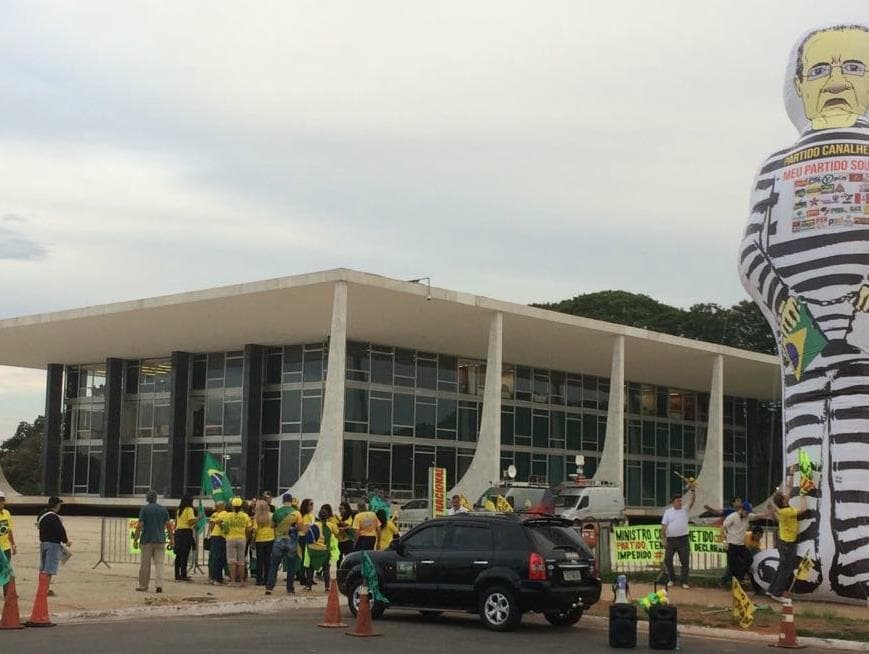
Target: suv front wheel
563, 618
498, 609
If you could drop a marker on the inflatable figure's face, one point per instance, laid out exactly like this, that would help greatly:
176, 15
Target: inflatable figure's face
831, 77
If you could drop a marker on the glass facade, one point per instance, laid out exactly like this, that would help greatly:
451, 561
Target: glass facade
82, 431
145, 419
294, 379
406, 411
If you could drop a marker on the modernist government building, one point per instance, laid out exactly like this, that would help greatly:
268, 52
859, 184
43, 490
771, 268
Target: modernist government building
336, 382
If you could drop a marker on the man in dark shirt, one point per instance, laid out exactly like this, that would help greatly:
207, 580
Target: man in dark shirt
51, 535
151, 530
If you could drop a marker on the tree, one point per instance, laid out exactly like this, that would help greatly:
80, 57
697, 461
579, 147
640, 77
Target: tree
742, 325
20, 457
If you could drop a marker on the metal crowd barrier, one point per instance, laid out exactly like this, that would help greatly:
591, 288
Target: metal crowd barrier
116, 546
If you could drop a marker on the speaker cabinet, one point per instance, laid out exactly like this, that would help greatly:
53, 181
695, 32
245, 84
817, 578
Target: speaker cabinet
662, 627
623, 625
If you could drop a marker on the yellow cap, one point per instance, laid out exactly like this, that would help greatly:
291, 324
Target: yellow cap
237, 501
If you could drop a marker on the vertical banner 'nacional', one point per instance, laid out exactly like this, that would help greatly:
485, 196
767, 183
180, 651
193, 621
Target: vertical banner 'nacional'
437, 488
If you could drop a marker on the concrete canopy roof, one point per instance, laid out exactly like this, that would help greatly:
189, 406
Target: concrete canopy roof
381, 310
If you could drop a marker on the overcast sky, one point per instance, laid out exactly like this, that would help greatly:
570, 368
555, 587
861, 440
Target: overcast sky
527, 151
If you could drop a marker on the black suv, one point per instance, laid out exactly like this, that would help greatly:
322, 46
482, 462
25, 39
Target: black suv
497, 564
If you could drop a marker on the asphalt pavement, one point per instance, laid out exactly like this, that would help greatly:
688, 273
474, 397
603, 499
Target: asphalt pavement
297, 631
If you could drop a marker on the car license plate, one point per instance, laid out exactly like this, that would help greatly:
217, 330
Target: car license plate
572, 575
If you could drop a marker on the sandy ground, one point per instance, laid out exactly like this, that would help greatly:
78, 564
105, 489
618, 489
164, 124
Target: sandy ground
79, 587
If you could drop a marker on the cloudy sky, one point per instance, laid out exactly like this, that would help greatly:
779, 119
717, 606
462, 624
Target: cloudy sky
522, 150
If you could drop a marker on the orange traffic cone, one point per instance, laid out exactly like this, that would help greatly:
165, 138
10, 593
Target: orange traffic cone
363, 617
11, 618
39, 615
787, 630
333, 609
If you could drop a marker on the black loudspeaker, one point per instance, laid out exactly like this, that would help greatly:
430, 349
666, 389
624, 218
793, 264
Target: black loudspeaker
623, 625
662, 627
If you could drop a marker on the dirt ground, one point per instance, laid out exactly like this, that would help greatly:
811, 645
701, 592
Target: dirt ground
79, 587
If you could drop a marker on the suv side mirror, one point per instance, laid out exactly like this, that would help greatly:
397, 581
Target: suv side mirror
396, 545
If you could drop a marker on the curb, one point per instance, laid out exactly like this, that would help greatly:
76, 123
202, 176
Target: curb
189, 609
600, 622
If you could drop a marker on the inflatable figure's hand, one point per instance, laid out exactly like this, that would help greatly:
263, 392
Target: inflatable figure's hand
862, 301
788, 315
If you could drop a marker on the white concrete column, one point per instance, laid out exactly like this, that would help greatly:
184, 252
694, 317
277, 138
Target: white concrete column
321, 480
611, 467
710, 481
485, 468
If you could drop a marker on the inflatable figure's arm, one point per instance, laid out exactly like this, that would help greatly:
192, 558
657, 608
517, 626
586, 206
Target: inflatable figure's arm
759, 274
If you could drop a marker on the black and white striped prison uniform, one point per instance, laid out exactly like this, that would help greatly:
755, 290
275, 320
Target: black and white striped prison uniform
808, 238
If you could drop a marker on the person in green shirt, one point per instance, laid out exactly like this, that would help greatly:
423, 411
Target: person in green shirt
150, 539
289, 525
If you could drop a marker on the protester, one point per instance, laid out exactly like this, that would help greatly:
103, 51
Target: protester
788, 529
388, 531
238, 525
185, 521
456, 505
7, 538
289, 526
52, 536
366, 527
735, 503
319, 537
753, 544
264, 537
345, 531
150, 539
308, 517
217, 544
733, 532
674, 533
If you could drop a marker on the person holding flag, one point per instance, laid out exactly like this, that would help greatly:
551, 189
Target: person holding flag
216, 485
289, 526
788, 529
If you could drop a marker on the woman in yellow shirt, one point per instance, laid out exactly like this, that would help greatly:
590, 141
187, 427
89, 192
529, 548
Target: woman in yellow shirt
320, 536
185, 520
217, 543
238, 525
265, 536
345, 530
306, 508
388, 531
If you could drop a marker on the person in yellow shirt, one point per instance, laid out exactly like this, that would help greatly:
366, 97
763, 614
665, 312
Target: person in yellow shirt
345, 531
320, 535
185, 521
237, 526
788, 530
7, 539
367, 528
388, 531
264, 537
307, 510
217, 544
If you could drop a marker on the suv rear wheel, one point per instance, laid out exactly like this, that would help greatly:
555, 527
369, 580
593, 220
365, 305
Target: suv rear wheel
377, 608
563, 618
498, 609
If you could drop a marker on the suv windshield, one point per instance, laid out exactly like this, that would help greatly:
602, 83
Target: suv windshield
416, 504
551, 535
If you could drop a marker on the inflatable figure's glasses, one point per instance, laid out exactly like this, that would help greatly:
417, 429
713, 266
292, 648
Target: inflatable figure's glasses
819, 71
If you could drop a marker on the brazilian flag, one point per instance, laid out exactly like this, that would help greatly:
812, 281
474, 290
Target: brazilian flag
214, 480
5, 569
803, 343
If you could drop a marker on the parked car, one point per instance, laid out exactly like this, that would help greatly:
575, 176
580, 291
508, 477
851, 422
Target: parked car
499, 565
415, 511
522, 496
579, 503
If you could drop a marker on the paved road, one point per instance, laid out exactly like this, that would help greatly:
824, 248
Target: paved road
296, 631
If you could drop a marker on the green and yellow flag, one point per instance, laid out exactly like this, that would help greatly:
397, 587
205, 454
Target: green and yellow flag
5, 569
215, 483
743, 607
804, 571
803, 342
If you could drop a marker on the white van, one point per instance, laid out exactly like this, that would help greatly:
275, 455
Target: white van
581, 503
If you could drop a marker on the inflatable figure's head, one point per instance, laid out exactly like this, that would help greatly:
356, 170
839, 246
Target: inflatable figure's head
827, 84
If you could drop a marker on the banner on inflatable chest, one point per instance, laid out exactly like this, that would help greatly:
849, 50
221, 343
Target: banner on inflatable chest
642, 543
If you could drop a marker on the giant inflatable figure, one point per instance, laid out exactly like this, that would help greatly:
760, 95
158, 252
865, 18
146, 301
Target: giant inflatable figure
805, 260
